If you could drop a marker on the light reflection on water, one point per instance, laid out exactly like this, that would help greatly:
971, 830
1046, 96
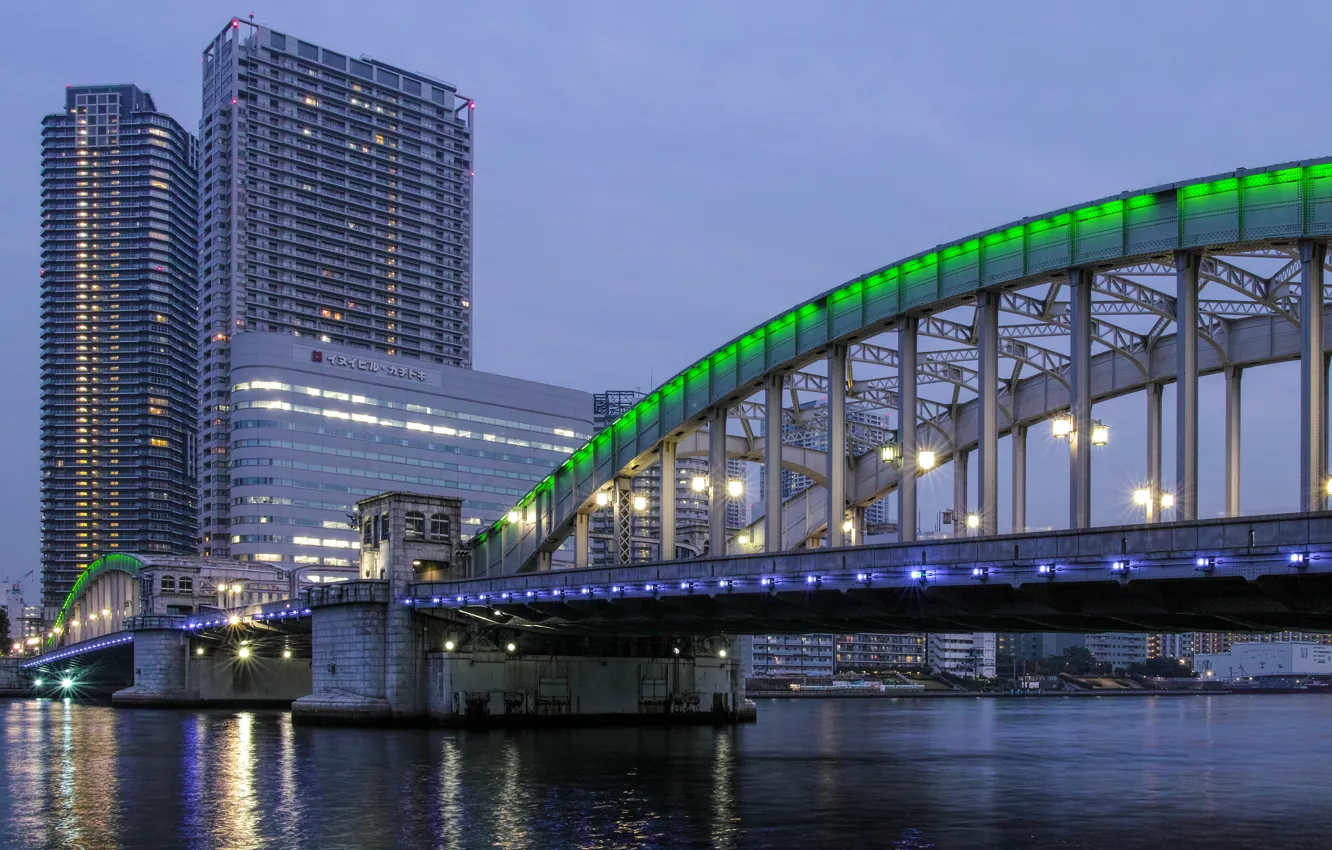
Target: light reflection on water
1125, 773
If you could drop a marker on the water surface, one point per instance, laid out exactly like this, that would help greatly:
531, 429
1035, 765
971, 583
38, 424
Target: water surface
1214, 772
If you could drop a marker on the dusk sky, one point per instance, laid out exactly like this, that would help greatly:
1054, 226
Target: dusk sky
653, 179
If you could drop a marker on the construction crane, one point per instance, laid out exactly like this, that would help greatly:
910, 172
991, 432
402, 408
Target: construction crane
16, 585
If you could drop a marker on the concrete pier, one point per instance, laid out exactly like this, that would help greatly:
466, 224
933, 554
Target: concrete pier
173, 669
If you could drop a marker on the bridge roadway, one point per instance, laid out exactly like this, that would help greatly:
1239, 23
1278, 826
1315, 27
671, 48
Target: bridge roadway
1226, 575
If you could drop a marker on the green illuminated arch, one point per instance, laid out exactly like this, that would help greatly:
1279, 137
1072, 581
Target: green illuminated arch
111, 562
1247, 207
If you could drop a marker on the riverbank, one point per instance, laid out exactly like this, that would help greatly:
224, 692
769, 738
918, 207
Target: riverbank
1108, 692
938, 694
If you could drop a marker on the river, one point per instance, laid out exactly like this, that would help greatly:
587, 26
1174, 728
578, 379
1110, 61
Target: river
1213, 772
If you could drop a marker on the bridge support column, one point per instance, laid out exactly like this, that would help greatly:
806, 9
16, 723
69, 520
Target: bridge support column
1080, 401
959, 493
666, 496
1233, 374
352, 667
1154, 452
987, 408
857, 517
582, 555
1019, 435
717, 478
1313, 378
738, 648
772, 464
836, 444
907, 330
1186, 387
622, 543
161, 663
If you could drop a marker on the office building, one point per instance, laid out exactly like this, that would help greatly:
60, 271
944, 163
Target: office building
872, 654
316, 427
969, 654
119, 332
336, 208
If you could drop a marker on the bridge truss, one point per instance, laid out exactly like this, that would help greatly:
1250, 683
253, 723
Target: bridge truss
937, 356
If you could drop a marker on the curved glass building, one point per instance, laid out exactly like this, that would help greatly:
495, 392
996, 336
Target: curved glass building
119, 332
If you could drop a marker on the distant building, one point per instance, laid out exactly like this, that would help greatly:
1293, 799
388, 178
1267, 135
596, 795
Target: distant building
869, 654
962, 654
1118, 649
1266, 660
781, 656
691, 506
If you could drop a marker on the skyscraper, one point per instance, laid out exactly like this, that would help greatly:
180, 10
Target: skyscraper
119, 332
336, 205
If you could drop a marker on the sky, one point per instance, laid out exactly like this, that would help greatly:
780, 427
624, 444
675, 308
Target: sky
653, 179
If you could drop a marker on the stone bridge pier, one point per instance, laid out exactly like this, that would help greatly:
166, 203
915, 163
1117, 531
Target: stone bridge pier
377, 659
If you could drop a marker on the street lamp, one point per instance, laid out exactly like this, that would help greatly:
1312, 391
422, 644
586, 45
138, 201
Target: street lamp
890, 453
1167, 501
640, 503
743, 540
698, 484
926, 460
735, 488
1100, 434
1142, 496
603, 498
514, 516
973, 520
1061, 426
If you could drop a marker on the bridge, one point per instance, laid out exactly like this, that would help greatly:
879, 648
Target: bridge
863, 390
932, 359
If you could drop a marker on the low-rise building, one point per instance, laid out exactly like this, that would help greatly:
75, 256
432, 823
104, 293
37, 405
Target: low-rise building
781, 656
870, 654
1272, 660
962, 654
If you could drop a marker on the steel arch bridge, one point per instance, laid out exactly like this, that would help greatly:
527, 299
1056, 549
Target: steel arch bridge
941, 353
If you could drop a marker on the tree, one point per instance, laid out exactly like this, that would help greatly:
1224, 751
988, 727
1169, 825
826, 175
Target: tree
4, 629
1080, 661
1164, 667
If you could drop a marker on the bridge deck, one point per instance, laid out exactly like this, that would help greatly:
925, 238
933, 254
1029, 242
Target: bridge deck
1247, 574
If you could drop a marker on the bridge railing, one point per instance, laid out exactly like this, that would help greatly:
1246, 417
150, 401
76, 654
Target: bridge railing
345, 593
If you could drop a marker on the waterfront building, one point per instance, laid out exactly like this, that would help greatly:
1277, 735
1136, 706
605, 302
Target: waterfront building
969, 654
1266, 659
691, 505
869, 428
335, 208
870, 654
317, 426
1118, 649
119, 332
783, 656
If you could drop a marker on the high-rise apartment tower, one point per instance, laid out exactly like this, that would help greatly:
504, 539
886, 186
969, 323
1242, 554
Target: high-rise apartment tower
336, 206
119, 332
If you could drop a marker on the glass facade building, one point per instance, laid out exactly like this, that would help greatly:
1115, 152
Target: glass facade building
335, 206
316, 427
119, 332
